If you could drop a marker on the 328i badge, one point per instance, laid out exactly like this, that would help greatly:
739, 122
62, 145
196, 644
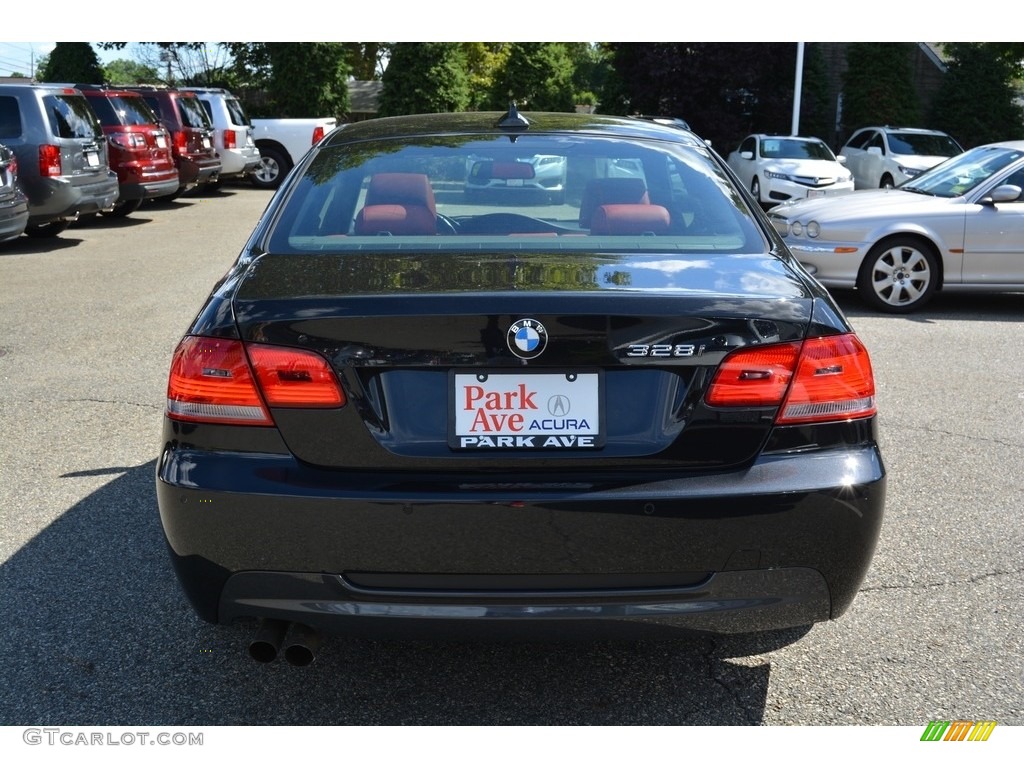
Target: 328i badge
412, 405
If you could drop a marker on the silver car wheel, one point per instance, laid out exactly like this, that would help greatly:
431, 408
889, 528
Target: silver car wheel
272, 169
899, 276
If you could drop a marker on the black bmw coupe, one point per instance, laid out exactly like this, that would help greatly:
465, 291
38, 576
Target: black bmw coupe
410, 404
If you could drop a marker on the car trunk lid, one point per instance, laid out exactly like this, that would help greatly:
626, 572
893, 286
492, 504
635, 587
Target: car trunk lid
439, 355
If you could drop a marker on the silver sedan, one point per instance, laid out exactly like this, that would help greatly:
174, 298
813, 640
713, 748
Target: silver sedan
958, 226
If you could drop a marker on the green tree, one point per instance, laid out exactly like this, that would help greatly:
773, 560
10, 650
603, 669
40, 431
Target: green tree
537, 76
425, 77
72, 63
976, 102
307, 79
878, 86
365, 60
483, 62
128, 72
723, 90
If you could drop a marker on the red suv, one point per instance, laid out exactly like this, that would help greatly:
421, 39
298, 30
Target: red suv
138, 147
191, 134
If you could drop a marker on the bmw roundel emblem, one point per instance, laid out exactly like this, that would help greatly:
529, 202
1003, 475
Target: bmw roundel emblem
527, 338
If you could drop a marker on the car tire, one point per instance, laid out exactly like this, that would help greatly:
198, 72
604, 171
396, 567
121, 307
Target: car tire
274, 166
886, 182
50, 229
123, 208
755, 189
899, 275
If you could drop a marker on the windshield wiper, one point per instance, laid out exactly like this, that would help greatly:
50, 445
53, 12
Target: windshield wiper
917, 190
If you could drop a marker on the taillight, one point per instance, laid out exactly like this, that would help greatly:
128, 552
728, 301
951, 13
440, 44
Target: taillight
754, 376
128, 140
212, 380
294, 378
229, 139
49, 160
823, 379
834, 382
318, 133
180, 141
13, 166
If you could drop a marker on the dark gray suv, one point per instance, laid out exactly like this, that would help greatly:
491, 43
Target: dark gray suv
61, 151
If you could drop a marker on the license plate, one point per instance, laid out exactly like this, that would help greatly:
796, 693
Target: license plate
161, 142
524, 411
816, 193
92, 159
206, 143
514, 182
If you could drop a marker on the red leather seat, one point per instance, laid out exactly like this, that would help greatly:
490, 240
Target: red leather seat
600, 192
398, 204
630, 219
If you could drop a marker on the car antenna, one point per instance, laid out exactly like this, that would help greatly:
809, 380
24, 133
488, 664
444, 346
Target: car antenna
513, 122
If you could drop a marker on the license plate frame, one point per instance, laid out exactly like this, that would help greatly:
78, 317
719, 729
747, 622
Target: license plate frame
523, 411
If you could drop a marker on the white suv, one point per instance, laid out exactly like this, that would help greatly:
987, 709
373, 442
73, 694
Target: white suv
232, 132
886, 157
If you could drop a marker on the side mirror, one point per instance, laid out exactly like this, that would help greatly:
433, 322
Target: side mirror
1004, 193
875, 151
747, 155
841, 159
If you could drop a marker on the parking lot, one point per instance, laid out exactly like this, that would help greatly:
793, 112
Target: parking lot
97, 631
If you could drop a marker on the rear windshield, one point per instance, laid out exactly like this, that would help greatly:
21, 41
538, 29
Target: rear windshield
543, 192
238, 116
122, 110
192, 113
70, 116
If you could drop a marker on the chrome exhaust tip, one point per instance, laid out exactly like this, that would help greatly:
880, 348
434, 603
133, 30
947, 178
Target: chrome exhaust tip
301, 645
267, 641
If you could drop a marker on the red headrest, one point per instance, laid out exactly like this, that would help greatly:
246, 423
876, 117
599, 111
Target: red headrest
401, 189
608, 191
630, 220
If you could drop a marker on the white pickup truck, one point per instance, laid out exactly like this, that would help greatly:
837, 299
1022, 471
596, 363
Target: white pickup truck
282, 142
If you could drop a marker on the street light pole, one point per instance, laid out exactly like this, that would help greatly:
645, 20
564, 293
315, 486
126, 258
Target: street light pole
797, 87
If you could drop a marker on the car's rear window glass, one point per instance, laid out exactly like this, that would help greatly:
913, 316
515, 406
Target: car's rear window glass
542, 192
70, 116
154, 104
10, 118
131, 110
192, 113
238, 116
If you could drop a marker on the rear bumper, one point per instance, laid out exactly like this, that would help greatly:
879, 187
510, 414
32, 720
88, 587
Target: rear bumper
238, 162
196, 171
13, 217
63, 199
728, 602
785, 542
139, 184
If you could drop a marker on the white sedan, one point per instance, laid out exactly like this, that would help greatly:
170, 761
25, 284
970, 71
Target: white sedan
956, 227
780, 168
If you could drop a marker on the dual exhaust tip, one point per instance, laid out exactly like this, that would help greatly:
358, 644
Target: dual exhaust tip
300, 642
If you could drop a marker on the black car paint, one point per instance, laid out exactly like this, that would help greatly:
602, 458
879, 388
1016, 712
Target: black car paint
407, 530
